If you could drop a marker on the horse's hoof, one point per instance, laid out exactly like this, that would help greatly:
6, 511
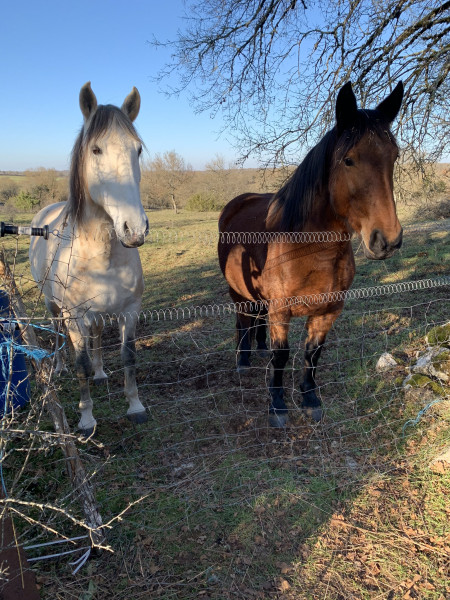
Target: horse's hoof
314, 412
278, 420
100, 380
242, 369
138, 417
88, 433
61, 372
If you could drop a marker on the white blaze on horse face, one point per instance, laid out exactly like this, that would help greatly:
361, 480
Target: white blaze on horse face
113, 174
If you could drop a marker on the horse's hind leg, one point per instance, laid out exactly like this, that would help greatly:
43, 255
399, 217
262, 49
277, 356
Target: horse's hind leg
97, 359
261, 333
244, 325
136, 411
279, 327
317, 328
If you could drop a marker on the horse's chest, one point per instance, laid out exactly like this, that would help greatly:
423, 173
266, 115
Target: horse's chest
97, 280
307, 270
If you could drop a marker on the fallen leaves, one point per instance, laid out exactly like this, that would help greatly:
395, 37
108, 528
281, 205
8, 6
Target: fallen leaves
441, 464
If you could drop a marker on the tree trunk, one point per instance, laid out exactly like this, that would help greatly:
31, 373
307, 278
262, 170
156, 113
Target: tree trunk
175, 207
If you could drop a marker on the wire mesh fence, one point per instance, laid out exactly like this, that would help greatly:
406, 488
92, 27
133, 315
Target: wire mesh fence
201, 494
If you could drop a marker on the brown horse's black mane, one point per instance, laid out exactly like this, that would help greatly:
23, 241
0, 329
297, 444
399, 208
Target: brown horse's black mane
104, 118
294, 203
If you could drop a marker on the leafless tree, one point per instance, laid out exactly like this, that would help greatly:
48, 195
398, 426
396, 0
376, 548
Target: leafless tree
163, 178
273, 68
219, 180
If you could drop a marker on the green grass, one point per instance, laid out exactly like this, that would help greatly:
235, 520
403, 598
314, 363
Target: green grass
231, 507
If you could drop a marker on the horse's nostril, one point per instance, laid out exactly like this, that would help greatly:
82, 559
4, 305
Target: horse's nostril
381, 247
378, 242
396, 244
147, 226
126, 228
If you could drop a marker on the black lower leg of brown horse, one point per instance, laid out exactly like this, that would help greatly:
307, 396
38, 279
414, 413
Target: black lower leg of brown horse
244, 326
318, 328
278, 412
261, 333
310, 401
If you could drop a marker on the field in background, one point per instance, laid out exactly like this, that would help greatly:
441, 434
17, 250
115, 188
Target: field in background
233, 509
216, 186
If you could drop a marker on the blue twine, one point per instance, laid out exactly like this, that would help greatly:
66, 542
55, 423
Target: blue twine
37, 354
5, 406
420, 414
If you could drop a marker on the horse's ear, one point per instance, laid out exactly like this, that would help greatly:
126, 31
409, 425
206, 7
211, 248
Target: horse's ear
391, 105
88, 101
346, 107
132, 104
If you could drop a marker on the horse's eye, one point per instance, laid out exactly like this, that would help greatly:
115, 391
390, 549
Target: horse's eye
139, 150
96, 150
348, 162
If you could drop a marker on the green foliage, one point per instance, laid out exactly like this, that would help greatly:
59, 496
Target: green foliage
439, 335
420, 381
203, 202
40, 191
25, 201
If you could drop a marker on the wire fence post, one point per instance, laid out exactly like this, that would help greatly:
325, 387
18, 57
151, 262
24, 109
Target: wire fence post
43, 372
17, 580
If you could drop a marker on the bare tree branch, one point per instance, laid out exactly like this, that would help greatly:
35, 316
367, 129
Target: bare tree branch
272, 68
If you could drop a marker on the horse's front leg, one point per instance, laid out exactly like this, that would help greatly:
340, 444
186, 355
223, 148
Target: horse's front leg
136, 411
97, 359
79, 336
317, 327
279, 328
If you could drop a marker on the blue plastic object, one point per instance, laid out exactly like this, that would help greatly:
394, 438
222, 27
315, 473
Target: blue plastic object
19, 392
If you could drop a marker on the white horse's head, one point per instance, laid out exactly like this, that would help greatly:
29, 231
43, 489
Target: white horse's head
105, 166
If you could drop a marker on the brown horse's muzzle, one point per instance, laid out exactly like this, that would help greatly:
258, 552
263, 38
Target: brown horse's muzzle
379, 247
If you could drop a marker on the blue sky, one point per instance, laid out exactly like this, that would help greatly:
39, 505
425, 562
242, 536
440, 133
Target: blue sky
50, 49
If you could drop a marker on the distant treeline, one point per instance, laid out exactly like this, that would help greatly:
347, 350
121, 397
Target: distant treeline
168, 181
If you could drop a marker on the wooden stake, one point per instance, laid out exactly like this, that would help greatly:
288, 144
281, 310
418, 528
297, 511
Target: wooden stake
43, 373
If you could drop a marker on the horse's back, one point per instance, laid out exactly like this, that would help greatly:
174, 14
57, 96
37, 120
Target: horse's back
246, 212
41, 250
240, 254
255, 268
48, 214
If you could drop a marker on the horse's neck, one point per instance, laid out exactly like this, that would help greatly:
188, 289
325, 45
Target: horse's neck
324, 218
94, 232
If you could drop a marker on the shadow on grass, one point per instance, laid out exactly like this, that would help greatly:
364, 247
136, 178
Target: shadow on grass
230, 507
233, 508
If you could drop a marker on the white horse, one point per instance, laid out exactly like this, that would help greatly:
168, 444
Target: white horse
92, 266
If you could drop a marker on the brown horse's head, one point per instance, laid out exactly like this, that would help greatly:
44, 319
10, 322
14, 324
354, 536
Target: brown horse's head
361, 171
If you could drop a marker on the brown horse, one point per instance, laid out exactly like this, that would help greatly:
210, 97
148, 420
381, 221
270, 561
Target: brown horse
344, 185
